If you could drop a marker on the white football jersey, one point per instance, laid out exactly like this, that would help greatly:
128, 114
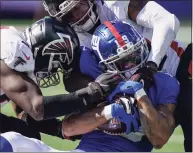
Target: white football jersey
15, 52
118, 10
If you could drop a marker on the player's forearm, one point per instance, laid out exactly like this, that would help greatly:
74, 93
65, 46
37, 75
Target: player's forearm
84, 123
165, 27
68, 103
163, 35
157, 126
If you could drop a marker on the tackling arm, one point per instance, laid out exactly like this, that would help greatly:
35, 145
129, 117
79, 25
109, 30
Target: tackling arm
165, 25
21, 90
84, 123
26, 94
158, 123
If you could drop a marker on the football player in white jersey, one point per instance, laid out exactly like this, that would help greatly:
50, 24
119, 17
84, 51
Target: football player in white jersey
37, 55
155, 23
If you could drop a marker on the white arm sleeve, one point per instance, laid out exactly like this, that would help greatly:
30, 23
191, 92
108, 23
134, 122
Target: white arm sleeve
165, 27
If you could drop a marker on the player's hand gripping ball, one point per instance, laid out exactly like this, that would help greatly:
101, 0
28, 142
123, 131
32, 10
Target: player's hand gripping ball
116, 127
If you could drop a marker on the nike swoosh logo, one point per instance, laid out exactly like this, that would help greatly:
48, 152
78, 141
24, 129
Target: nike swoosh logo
27, 57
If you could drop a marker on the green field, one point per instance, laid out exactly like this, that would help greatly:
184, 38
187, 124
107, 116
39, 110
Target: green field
175, 144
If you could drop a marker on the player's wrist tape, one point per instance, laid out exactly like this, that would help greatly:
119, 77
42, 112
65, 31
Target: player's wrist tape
107, 112
140, 93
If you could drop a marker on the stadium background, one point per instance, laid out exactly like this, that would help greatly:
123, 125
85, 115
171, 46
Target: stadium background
20, 14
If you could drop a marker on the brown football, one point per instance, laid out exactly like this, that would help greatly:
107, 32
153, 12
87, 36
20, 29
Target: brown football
113, 127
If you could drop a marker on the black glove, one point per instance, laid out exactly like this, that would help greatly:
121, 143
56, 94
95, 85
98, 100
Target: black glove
108, 81
95, 90
92, 94
145, 74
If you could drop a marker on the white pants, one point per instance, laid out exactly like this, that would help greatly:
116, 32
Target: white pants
21, 143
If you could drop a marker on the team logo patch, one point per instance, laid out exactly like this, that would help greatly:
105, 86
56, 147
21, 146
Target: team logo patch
62, 47
114, 123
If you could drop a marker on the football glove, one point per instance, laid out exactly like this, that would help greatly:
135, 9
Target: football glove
145, 74
128, 87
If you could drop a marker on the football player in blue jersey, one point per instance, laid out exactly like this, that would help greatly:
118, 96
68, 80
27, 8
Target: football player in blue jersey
154, 22
122, 52
119, 48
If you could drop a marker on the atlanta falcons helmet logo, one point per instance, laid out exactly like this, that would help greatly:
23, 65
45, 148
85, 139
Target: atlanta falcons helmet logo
62, 47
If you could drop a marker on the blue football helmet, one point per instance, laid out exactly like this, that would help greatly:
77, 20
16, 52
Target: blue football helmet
119, 47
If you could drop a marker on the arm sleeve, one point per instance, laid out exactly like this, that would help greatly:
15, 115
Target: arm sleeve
165, 27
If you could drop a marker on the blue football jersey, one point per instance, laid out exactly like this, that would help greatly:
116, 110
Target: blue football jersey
164, 90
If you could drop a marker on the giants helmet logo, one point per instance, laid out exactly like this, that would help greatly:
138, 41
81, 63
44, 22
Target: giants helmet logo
62, 47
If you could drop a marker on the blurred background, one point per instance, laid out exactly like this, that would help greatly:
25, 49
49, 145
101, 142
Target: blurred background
21, 14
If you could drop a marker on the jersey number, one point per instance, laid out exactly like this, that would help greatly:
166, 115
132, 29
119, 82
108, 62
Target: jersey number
124, 37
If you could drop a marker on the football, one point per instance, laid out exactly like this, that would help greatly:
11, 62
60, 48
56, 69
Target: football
114, 126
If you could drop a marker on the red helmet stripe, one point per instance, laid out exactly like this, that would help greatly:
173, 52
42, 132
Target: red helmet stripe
115, 33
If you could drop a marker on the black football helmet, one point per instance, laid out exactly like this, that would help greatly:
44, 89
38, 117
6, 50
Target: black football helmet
81, 14
55, 47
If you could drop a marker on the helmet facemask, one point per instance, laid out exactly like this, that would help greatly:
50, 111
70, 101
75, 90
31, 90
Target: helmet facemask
51, 76
88, 19
60, 8
129, 58
81, 14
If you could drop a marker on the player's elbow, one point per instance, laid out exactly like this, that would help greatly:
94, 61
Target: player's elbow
159, 142
171, 24
174, 23
160, 139
36, 110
